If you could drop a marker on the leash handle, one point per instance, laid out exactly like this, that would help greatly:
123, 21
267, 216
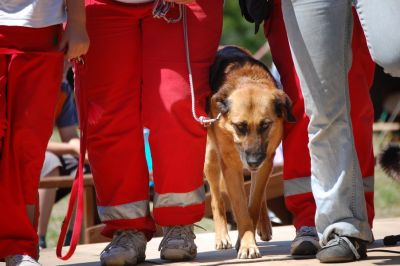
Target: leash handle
161, 9
76, 196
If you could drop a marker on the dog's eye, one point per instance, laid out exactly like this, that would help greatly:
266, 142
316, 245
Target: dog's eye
241, 128
264, 126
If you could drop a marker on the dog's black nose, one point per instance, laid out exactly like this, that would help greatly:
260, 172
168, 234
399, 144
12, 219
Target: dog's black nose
254, 159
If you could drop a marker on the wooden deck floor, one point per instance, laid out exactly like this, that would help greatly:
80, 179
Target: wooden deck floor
273, 253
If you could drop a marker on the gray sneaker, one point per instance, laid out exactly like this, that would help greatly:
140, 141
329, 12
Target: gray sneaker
343, 249
21, 260
306, 242
128, 247
178, 243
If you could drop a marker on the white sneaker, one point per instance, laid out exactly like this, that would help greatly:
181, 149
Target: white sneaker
306, 242
178, 243
21, 260
128, 247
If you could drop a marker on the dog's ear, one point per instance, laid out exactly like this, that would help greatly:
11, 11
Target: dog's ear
221, 99
283, 106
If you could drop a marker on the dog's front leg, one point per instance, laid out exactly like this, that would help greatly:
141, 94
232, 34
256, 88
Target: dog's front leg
257, 199
246, 244
213, 173
264, 227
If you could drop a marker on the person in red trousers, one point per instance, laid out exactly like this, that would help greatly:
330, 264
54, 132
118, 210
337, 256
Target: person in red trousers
32, 44
136, 75
296, 173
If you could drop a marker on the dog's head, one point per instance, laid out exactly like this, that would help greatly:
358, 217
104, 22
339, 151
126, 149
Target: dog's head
253, 113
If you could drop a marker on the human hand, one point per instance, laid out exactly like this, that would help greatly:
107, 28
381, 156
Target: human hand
75, 40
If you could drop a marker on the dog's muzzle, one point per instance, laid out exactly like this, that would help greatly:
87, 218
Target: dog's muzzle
254, 159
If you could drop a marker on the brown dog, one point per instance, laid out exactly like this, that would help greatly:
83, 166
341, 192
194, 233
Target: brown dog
250, 128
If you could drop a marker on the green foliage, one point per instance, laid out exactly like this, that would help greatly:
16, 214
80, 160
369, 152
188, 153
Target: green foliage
238, 31
387, 195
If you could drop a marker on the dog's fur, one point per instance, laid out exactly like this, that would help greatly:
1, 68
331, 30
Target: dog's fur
390, 161
245, 137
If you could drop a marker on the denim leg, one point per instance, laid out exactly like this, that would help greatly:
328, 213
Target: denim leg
380, 21
319, 33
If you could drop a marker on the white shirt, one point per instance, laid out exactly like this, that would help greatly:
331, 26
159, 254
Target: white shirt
32, 13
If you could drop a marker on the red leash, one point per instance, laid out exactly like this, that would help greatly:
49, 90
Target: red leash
77, 187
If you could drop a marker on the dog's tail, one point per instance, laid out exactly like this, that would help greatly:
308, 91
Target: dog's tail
390, 161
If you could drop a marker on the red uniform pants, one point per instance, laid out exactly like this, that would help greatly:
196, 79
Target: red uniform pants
135, 75
297, 169
30, 76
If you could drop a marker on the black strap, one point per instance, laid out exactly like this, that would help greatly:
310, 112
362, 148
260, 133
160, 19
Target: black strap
256, 11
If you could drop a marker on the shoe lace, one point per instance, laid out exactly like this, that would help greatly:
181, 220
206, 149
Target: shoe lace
307, 231
184, 232
353, 247
126, 239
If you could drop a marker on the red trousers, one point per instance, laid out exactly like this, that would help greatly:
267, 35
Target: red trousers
297, 169
135, 75
30, 76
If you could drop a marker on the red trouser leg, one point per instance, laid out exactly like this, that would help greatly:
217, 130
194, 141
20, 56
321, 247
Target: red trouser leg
177, 141
32, 78
361, 77
125, 39
3, 118
298, 195
111, 78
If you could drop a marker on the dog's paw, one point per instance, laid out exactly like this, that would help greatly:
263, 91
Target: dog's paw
248, 252
265, 236
247, 248
265, 231
223, 242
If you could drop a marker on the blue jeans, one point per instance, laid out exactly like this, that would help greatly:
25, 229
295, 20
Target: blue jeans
319, 33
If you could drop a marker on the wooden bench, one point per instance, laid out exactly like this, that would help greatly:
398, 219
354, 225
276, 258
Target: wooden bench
89, 198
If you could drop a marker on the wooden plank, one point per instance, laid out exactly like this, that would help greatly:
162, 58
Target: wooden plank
66, 181
63, 181
386, 126
90, 207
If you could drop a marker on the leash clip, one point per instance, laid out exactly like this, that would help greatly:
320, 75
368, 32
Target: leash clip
206, 121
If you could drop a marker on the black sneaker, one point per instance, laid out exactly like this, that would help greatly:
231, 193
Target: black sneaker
42, 242
305, 244
343, 249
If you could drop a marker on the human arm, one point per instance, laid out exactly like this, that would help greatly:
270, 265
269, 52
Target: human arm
62, 148
69, 144
75, 40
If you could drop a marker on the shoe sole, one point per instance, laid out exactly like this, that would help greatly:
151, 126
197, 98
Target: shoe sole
177, 255
126, 263
305, 250
336, 260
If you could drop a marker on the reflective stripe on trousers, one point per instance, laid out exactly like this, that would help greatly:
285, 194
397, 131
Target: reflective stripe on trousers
140, 209
133, 210
179, 199
302, 185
